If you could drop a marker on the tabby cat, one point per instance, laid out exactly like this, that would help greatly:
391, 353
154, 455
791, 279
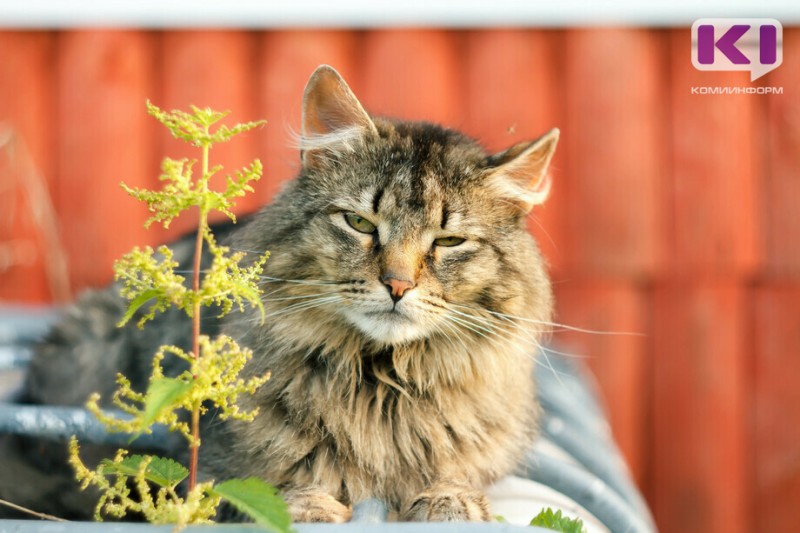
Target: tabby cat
405, 300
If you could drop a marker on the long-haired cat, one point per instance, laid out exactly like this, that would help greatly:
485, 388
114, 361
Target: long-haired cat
405, 300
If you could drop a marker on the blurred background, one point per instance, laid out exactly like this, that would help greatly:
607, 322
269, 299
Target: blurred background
675, 216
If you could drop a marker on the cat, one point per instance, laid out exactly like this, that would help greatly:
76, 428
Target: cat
405, 301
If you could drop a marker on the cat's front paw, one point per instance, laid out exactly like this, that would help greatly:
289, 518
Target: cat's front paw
310, 505
448, 503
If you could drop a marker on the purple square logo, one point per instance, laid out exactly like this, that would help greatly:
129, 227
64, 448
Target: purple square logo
737, 44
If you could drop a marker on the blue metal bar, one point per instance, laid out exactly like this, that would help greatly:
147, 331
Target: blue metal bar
61, 423
372, 511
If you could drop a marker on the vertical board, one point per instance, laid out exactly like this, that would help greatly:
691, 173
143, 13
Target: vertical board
26, 161
782, 159
701, 460
414, 74
776, 432
617, 351
511, 86
103, 79
512, 92
286, 61
614, 150
714, 180
211, 69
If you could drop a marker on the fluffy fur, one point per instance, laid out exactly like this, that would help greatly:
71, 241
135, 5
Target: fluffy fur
401, 357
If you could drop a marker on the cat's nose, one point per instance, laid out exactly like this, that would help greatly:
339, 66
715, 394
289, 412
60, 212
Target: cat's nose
397, 287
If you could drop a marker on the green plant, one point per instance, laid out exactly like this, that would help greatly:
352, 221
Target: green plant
553, 520
146, 484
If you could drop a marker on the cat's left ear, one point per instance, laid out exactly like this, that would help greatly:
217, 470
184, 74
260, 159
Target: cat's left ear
520, 173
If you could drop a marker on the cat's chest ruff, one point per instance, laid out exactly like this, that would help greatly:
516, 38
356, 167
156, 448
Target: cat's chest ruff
381, 422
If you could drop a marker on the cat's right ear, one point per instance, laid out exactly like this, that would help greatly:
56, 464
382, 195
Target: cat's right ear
333, 118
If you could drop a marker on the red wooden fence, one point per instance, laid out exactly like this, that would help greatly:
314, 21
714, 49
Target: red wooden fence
675, 216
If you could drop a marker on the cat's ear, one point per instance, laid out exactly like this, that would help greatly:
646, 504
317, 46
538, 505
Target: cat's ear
333, 118
520, 173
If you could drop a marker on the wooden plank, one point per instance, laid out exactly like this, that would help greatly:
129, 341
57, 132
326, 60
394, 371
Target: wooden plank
782, 158
286, 61
616, 350
413, 74
714, 191
511, 86
512, 93
214, 69
777, 416
701, 454
105, 136
26, 166
614, 146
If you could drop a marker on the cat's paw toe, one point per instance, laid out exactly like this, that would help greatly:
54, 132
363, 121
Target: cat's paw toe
451, 504
313, 506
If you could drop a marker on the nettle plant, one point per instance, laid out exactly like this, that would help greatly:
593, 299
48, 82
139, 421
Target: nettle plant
149, 485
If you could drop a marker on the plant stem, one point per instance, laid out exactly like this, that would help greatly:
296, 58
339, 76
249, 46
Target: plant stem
43, 516
194, 447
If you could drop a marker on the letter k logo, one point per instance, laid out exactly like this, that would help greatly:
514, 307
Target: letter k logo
726, 44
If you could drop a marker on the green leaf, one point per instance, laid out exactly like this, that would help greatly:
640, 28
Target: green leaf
556, 522
259, 500
140, 300
161, 471
162, 394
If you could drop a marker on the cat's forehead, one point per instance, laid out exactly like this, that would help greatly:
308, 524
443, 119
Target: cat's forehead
419, 166
421, 146
421, 174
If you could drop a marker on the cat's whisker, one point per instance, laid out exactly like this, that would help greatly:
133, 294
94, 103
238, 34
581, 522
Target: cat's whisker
480, 314
563, 327
552, 369
532, 216
566, 354
298, 297
250, 322
265, 295
306, 305
473, 326
474, 317
494, 324
492, 339
256, 252
509, 319
277, 288
271, 279
452, 337
507, 334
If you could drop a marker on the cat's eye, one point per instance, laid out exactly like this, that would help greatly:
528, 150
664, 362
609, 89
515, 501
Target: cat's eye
359, 223
448, 241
